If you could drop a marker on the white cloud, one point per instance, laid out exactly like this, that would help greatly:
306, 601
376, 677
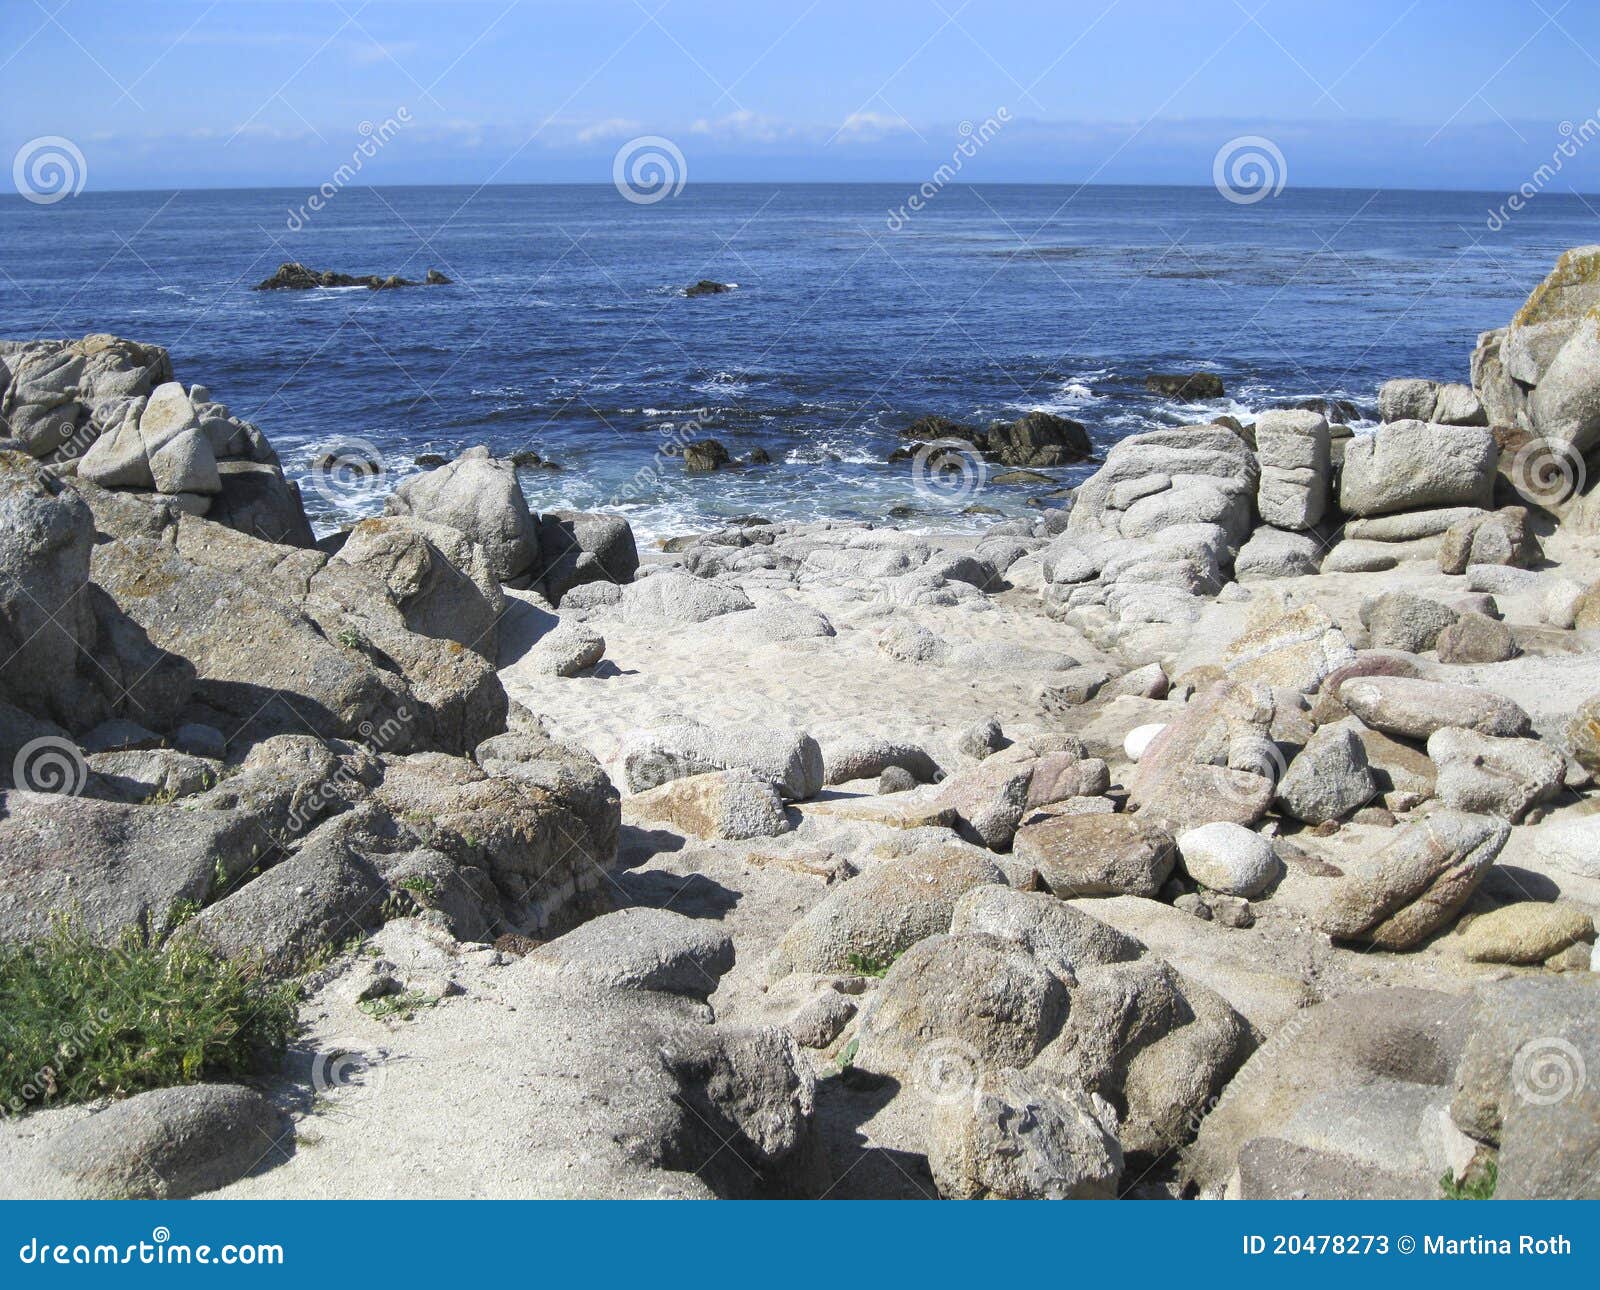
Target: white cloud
616, 127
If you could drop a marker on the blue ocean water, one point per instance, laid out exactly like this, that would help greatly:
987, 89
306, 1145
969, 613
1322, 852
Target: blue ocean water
567, 332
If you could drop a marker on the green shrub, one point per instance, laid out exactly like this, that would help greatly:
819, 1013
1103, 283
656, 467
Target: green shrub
80, 1020
870, 964
1477, 1183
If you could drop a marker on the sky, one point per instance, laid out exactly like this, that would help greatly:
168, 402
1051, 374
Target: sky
228, 93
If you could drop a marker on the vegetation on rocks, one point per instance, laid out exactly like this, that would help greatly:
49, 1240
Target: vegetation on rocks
85, 1020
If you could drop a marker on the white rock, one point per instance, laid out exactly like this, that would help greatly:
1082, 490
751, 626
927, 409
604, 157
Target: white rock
1228, 858
1139, 738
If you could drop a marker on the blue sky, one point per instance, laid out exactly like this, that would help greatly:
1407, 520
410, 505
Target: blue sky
1431, 93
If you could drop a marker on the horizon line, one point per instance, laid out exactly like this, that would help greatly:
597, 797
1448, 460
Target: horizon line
794, 183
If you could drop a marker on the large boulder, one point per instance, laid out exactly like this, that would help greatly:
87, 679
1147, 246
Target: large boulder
1504, 777
1098, 855
164, 449
48, 630
278, 922
480, 496
1408, 465
1415, 883
1292, 447
1329, 778
789, 760
437, 577
1526, 1084
884, 911
1023, 1137
1156, 1045
643, 949
167, 1144
111, 865
283, 639
576, 547
954, 1006
1413, 708
258, 500
1358, 1040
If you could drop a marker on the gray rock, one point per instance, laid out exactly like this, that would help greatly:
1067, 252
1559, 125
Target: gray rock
1021, 1137
1504, 777
1401, 620
579, 547
642, 949
256, 499
670, 597
980, 739
568, 649
200, 740
1502, 537
1347, 1043
1476, 638
1409, 465
48, 630
1526, 1082
1292, 447
1329, 778
989, 799
1416, 884
953, 1007
111, 865
1059, 935
438, 578
883, 911
1276, 553
479, 496
1414, 708
1157, 1045
865, 757
895, 779
789, 760
1098, 855
732, 805
159, 773
1407, 399
319, 898
1228, 858
166, 1144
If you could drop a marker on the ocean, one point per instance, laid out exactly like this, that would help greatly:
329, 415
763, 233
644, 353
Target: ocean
567, 333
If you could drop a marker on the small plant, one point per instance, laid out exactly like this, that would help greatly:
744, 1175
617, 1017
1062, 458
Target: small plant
1477, 1182
870, 964
181, 912
86, 1020
401, 1006
351, 639
421, 885
847, 1054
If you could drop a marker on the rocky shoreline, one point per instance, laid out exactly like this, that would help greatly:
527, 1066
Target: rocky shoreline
1229, 831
